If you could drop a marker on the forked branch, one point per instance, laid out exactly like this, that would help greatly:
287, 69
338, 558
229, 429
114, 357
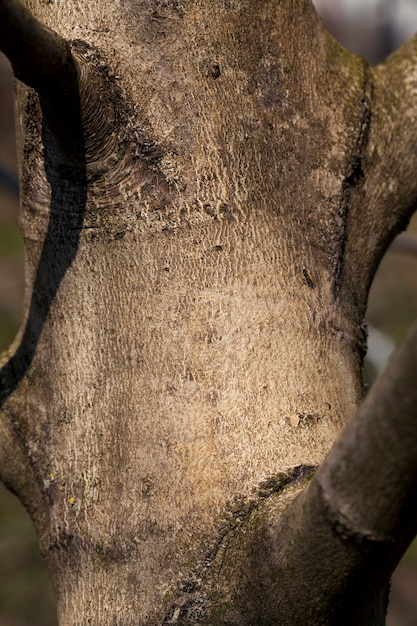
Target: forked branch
392, 151
341, 539
39, 57
370, 476
383, 204
44, 61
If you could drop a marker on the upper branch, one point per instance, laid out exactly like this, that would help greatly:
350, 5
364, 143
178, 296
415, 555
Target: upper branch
74, 94
387, 196
44, 61
392, 154
39, 57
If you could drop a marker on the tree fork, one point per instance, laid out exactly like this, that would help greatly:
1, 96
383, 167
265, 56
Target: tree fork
337, 538
346, 532
211, 235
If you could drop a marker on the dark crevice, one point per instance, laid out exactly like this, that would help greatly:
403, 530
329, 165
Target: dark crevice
65, 172
353, 178
190, 605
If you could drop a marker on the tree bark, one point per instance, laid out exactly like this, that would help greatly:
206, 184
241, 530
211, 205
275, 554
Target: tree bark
205, 199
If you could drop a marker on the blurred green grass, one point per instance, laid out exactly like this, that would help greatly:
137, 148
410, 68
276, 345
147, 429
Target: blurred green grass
26, 596
11, 244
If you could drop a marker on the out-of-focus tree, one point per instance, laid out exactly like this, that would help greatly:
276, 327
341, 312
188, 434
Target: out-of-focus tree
373, 28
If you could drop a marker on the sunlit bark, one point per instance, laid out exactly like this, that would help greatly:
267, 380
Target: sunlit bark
207, 189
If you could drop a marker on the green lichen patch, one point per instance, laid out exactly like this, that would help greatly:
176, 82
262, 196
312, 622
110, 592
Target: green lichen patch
205, 595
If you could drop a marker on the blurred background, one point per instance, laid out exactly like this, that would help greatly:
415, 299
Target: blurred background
372, 28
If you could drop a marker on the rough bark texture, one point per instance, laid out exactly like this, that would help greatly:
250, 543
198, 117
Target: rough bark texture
206, 193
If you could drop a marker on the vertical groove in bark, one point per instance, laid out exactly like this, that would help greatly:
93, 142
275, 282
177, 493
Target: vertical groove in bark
355, 174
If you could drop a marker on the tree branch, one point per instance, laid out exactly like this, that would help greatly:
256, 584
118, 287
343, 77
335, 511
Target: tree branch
385, 199
392, 150
378, 453
74, 92
44, 61
39, 57
349, 529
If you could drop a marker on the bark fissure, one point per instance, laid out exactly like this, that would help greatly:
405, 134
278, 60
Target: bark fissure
194, 598
354, 175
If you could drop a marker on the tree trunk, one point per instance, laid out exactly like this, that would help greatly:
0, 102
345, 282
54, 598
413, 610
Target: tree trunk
207, 189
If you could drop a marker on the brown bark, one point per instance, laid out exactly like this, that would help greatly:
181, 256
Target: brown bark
203, 216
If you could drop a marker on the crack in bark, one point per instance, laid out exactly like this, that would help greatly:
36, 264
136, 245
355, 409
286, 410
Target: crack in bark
190, 605
353, 178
